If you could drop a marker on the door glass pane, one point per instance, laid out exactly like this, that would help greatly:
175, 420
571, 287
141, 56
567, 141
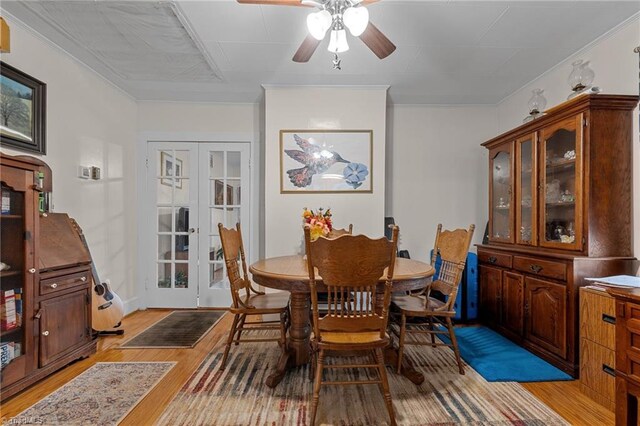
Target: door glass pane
233, 164
560, 176
181, 164
164, 190
182, 219
181, 279
164, 275
181, 194
217, 275
501, 195
217, 216
164, 219
165, 163
526, 195
232, 216
219, 192
234, 192
216, 164
164, 247
215, 248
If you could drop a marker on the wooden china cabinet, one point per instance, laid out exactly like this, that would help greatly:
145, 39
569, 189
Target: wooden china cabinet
45, 278
559, 211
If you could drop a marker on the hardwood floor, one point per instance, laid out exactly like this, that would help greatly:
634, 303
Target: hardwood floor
564, 397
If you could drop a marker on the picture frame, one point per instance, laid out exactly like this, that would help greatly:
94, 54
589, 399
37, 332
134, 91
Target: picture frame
170, 166
326, 161
219, 193
23, 101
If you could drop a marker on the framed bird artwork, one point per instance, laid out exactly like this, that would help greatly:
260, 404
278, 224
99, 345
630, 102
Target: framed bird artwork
326, 161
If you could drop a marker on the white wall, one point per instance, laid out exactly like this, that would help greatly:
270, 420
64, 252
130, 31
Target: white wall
92, 123
360, 108
437, 171
616, 68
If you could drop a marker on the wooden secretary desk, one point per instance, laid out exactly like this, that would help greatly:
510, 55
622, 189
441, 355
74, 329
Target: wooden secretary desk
559, 211
46, 280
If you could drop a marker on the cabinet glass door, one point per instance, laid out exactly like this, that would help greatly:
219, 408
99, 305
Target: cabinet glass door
501, 194
526, 184
561, 189
16, 273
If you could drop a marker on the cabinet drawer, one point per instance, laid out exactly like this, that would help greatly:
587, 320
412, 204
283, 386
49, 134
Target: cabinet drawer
63, 282
495, 258
597, 317
597, 368
543, 268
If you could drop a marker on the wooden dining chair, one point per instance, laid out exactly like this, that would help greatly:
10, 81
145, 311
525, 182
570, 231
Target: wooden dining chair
450, 250
350, 265
252, 303
335, 233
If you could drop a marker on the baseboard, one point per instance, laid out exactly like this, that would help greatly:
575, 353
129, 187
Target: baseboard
131, 305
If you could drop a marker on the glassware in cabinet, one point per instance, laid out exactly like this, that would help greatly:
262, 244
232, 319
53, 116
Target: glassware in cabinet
526, 189
501, 194
561, 184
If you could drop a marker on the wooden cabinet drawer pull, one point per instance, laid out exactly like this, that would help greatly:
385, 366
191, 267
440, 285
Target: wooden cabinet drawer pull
609, 319
45, 333
535, 268
492, 259
54, 285
32, 270
610, 371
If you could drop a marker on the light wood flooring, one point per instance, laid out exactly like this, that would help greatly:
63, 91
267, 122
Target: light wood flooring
564, 397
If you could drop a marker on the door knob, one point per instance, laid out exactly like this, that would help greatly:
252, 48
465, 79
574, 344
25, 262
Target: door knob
45, 333
192, 230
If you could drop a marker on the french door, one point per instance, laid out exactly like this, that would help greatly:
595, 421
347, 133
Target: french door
191, 188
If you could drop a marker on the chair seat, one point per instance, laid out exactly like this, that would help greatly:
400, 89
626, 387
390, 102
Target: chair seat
368, 339
415, 306
266, 303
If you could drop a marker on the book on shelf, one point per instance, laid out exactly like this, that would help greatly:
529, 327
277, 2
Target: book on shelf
6, 201
9, 351
18, 298
8, 319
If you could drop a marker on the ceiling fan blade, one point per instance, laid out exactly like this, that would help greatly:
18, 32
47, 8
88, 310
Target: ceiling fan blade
306, 49
275, 2
377, 42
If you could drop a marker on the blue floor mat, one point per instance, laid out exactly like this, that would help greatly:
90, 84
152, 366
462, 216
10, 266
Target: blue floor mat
498, 359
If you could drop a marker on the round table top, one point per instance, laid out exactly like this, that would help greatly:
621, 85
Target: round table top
290, 273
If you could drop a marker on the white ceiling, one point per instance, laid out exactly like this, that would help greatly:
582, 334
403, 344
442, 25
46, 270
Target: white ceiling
451, 52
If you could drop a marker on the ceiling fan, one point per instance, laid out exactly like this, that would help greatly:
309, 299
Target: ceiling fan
336, 16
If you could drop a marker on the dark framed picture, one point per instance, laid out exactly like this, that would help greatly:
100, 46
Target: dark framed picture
219, 193
23, 101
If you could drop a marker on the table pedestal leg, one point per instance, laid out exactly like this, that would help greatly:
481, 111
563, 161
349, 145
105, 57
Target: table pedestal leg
297, 351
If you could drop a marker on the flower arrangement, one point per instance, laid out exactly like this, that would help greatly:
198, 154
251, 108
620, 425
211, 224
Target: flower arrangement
319, 222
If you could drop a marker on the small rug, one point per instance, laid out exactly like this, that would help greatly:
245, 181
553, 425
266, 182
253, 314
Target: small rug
498, 359
179, 329
102, 395
238, 395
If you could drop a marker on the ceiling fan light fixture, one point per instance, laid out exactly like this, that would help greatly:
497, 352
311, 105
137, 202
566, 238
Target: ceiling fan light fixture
318, 23
338, 41
356, 19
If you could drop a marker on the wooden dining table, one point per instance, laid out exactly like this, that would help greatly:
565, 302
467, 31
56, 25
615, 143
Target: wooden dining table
290, 273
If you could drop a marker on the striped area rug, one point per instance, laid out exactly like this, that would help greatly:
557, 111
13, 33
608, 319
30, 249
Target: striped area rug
238, 395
